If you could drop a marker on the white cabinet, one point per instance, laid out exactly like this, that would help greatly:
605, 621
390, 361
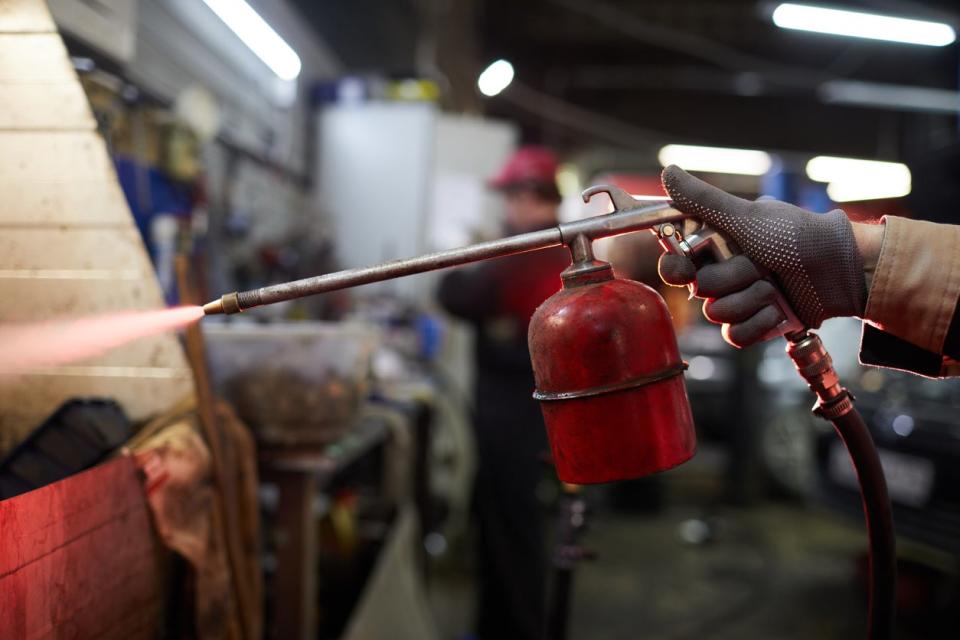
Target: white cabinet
397, 179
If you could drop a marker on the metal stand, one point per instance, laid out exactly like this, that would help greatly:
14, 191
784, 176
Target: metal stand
567, 553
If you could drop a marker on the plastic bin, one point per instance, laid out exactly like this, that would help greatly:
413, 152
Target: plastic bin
292, 383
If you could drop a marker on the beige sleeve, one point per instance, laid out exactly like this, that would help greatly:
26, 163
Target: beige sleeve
916, 283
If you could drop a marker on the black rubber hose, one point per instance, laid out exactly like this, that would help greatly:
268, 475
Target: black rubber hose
879, 516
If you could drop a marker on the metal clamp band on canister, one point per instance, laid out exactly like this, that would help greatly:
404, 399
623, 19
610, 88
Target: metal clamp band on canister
631, 383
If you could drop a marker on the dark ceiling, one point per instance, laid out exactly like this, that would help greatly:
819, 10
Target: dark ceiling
626, 73
367, 35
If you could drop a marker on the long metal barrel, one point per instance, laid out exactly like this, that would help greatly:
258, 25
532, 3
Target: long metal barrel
643, 217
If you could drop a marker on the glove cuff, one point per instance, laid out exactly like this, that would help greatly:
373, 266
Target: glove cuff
829, 253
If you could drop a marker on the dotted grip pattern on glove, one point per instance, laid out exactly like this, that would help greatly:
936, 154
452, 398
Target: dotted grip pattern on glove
813, 256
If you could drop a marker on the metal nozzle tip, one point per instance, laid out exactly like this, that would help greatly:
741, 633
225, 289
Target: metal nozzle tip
213, 307
228, 303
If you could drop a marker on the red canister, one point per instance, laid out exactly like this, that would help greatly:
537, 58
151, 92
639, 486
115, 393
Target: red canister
609, 377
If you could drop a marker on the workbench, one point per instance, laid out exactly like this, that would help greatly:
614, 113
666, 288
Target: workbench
378, 457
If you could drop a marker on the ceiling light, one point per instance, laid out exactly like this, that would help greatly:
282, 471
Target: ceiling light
857, 24
258, 36
745, 162
495, 78
890, 96
851, 179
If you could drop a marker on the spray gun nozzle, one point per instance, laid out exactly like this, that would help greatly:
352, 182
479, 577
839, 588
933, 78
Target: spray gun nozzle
213, 307
228, 303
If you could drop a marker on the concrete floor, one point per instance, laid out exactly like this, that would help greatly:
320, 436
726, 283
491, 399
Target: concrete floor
771, 572
778, 570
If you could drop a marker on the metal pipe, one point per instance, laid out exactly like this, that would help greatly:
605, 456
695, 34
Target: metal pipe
567, 554
642, 217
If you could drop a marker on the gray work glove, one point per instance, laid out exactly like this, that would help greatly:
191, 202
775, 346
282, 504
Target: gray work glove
813, 257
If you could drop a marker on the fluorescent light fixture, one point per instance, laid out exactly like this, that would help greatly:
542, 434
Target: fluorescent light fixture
890, 96
856, 24
495, 78
744, 162
851, 179
258, 36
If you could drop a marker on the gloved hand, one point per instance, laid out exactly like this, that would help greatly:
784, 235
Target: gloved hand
814, 259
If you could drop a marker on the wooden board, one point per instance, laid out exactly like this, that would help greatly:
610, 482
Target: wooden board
68, 244
62, 178
34, 58
61, 156
68, 272
51, 248
78, 559
42, 298
25, 16
64, 202
44, 106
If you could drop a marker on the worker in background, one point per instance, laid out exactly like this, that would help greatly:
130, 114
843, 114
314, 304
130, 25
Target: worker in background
498, 298
902, 277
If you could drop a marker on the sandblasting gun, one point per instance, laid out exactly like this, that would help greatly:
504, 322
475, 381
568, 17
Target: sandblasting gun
608, 371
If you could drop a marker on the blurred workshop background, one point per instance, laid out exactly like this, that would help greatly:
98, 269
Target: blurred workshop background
370, 463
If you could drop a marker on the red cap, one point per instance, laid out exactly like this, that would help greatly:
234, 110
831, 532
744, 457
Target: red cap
527, 165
